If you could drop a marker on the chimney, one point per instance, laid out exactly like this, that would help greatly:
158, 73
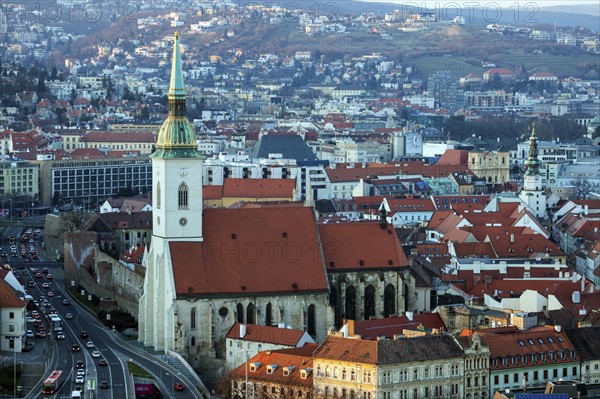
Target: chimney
409, 315
585, 209
576, 297
512, 238
350, 324
557, 328
242, 330
280, 325
582, 284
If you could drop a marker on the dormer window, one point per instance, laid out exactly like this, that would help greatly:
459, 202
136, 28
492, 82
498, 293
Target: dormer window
305, 373
254, 366
271, 368
288, 370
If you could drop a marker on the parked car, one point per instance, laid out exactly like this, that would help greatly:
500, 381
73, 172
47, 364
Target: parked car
29, 334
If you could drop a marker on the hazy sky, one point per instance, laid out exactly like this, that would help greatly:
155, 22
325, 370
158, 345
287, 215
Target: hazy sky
502, 3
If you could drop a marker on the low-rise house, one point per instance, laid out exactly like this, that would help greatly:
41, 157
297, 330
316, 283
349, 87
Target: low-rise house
284, 373
245, 341
12, 317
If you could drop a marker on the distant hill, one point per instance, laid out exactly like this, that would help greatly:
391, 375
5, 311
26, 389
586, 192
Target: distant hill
586, 15
591, 9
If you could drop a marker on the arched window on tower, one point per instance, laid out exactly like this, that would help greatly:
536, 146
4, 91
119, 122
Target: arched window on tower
193, 318
158, 195
183, 196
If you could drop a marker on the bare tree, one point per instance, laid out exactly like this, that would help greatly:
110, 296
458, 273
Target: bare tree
583, 188
72, 220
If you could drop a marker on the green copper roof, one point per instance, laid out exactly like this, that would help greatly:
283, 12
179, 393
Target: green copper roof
533, 163
176, 137
176, 87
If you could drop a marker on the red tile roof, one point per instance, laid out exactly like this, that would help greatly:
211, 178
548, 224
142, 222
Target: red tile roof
296, 360
242, 246
273, 335
259, 188
8, 296
535, 340
360, 245
454, 157
390, 326
212, 192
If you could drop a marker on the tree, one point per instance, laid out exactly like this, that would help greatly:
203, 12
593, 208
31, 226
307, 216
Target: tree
71, 220
582, 188
596, 133
145, 114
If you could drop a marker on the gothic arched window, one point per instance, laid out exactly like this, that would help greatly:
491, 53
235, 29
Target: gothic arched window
183, 196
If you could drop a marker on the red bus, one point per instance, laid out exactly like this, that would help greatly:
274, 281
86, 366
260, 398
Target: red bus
53, 382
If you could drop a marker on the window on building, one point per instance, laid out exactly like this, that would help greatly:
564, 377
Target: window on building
183, 196
193, 318
158, 195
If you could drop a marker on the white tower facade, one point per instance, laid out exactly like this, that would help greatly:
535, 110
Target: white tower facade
533, 194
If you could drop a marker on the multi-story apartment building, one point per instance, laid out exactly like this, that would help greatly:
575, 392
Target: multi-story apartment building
19, 178
12, 316
92, 181
141, 142
529, 358
311, 179
422, 367
348, 150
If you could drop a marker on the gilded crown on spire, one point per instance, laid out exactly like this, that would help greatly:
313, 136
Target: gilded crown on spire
176, 137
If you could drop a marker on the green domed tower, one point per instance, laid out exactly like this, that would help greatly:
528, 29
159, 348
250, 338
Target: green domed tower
176, 137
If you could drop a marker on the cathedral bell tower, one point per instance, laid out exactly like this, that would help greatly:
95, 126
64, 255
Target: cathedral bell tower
533, 193
177, 168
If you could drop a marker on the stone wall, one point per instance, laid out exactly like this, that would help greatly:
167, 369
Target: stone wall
99, 274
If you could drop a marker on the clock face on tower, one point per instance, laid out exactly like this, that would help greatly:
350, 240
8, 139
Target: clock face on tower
183, 172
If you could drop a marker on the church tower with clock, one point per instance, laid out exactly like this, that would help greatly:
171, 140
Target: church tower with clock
176, 211
177, 169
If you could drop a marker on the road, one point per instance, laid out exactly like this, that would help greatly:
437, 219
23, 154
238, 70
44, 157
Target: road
106, 342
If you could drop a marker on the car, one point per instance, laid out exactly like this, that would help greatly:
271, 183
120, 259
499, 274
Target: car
179, 386
35, 314
50, 276
41, 327
37, 231
96, 354
80, 364
45, 285
30, 319
31, 284
35, 270
36, 303
37, 322
34, 257
45, 270
38, 275
50, 294
75, 348
68, 316
103, 384
31, 240
103, 362
79, 389
79, 379
11, 239
66, 302
47, 304
80, 372
83, 334
41, 334
89, 344
29, 334
60, 335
